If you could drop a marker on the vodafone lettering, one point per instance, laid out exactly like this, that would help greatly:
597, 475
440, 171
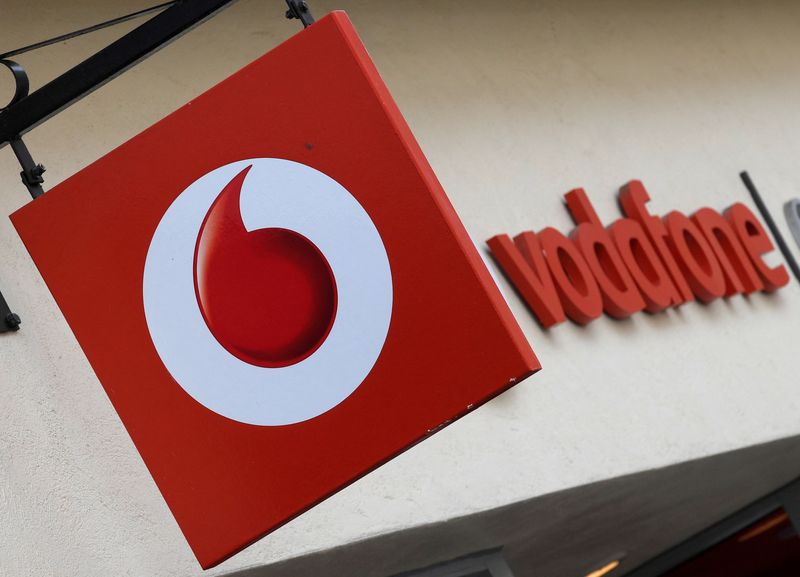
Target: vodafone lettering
641, 262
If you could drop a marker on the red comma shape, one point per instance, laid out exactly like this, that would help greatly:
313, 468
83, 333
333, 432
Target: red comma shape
268, 295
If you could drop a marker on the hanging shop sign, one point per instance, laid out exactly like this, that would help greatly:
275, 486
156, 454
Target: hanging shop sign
641, 262
274, 290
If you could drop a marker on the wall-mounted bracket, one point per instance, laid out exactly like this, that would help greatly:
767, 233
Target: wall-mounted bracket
10, 321
29, 111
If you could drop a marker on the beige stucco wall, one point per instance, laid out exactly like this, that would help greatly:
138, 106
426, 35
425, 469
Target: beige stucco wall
514, 107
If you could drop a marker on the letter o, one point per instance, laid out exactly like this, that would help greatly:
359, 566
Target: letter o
695, 257
574, 282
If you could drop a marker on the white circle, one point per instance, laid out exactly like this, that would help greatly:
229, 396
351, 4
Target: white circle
276, 193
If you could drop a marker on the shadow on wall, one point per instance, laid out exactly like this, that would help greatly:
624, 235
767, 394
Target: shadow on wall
566, 533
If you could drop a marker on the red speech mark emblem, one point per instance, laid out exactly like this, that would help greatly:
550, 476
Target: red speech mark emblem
269, 295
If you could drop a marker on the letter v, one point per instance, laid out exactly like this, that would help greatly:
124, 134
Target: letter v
523, 263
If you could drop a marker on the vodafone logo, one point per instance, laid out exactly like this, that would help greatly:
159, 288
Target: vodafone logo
267, 291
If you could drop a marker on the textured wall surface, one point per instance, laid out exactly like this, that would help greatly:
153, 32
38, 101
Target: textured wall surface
513, 107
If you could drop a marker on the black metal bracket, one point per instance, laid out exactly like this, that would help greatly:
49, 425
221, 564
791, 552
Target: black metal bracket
299, 9
31, 172
26, 111
10, 321
29, 111
21, 84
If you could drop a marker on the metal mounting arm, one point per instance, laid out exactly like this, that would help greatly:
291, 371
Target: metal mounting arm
32, 110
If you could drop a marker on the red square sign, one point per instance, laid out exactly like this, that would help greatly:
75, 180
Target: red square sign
274, 290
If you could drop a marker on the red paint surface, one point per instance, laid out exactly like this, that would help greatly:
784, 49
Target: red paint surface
268, 295
452, 343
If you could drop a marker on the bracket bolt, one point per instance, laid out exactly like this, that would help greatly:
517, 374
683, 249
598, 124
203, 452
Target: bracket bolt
13, 321
299, 7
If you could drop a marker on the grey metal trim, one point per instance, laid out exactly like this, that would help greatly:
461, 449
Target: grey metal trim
787, 497
482, 564
791, 210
